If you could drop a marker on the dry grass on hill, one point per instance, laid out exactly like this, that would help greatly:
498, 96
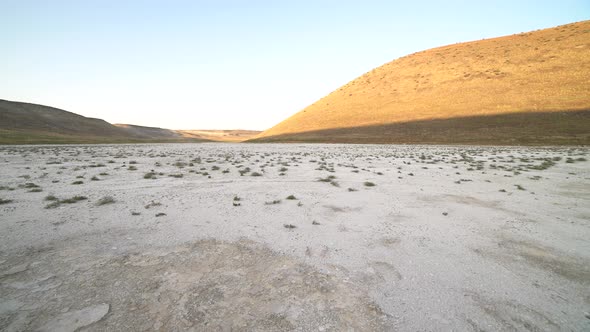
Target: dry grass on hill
540, 71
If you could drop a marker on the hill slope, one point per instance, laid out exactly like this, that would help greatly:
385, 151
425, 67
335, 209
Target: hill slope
220, 135
529, 88
24, 123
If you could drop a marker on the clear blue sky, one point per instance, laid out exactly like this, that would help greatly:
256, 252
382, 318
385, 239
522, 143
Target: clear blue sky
229, 64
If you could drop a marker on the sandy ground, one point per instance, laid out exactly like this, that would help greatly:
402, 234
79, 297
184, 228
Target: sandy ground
448, 238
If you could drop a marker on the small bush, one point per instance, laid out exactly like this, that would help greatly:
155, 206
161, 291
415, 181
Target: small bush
5, 201
256, 174
152, 204
74, 199
105, 200
52, 205
291, 197
77, 182
50, 198
276, 201
369, 184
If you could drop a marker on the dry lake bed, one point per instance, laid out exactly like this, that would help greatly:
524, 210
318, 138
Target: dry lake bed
240, 237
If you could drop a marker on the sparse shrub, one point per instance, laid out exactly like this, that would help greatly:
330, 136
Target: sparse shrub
351, 189
51, 198
150, 175
135, 213
132, 168
152, 204
276, 201
178, 176
255, 174
160, 214
105, 200
369, 184
327, 179
5, 201
74, 199
291, 197
35, 190
77, 182
289, 226
52, 205
94, 178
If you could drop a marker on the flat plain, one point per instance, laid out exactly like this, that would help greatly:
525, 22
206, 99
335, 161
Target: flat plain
264, 237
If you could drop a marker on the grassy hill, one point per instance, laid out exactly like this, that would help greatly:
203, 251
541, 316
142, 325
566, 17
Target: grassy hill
528, 88
24, 123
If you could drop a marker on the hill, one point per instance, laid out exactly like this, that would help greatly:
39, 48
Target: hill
149, 132
528, 88
24, 123
220, 135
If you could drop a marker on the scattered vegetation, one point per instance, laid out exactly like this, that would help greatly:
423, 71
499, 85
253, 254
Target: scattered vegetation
55, 202
105, 200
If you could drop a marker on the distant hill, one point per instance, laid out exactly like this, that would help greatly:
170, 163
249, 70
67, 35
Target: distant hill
528, 88
149, 132
220, 135
24, 123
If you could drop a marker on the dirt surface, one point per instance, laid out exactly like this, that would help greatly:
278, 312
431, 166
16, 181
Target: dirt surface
184, 237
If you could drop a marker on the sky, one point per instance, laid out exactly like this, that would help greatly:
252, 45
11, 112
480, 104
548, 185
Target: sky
229, 64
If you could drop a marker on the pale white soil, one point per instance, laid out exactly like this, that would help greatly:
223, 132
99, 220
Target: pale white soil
445, 240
